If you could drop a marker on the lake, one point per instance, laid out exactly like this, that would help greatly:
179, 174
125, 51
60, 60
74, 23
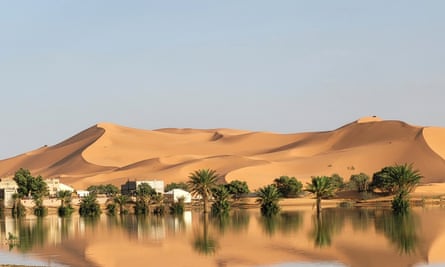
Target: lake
295, 237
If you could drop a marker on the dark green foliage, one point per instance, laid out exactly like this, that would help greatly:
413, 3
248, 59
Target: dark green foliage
159, 207
144, 195
108, 189
65, 208
18, 210
28, 185
111, 208
159, 210
121, 201
141, 208
220, 203
89, 207
321, 187
400, 203
337, 181
40, 210
181, 185
382, 181
201, 183
268, 198
288, 186
65, 211
177, 208
237, 188
394, 179
359, 182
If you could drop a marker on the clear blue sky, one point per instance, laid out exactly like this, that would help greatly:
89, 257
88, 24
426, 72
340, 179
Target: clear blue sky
281, 66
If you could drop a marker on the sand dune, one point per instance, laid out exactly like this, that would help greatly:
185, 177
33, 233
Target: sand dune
109, 153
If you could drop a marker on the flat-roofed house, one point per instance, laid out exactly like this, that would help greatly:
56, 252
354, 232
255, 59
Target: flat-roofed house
8, 187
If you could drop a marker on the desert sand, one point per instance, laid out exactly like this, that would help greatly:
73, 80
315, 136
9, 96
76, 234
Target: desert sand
109, 153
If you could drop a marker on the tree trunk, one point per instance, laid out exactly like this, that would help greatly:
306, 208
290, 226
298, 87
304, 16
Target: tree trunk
318, 205
205, 204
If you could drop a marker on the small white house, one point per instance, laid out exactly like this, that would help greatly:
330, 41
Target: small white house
82, 193
176, 193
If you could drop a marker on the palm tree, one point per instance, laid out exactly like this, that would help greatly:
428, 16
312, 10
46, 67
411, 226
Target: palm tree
268, 198
201, 184
221, 203
321, 187
121, 201
65, 202
404, 177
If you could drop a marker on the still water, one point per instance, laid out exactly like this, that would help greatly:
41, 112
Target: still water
295, 237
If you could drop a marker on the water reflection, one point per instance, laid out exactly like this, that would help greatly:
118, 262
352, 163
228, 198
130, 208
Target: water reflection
294, 233
285, 222
400, 229
203, 242
326, 224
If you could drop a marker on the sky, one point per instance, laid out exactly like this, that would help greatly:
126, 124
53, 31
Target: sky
280, 66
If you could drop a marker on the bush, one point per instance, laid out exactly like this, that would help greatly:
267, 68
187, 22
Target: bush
359, 182
89, 206
181, 185
40, 211
65, 211
177, 208
288, 186
237, 188
111, 209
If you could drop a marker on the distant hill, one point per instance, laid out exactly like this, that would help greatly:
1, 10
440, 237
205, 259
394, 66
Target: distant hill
109, 153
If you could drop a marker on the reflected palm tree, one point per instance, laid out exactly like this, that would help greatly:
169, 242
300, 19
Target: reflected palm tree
31, 234
400, 229
220, 221
361, 219
240, 220
326, 224
269, 224
204, 243
285, 222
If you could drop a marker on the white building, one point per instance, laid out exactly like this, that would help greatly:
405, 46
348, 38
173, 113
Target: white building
54, 185
8, 187
175, 194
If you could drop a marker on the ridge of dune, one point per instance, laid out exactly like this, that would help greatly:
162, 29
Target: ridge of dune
435, 138
110, 153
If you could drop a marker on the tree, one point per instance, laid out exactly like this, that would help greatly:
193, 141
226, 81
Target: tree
321, 187
108, 189
18, 210
220, 205
201, 183
337, 181
121, 201
404, 178
395, 179
288, 186
181, 185
144, 194
237, 188
89, 207
28, 185
177, 208
268, 198
65, 207
360, 182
